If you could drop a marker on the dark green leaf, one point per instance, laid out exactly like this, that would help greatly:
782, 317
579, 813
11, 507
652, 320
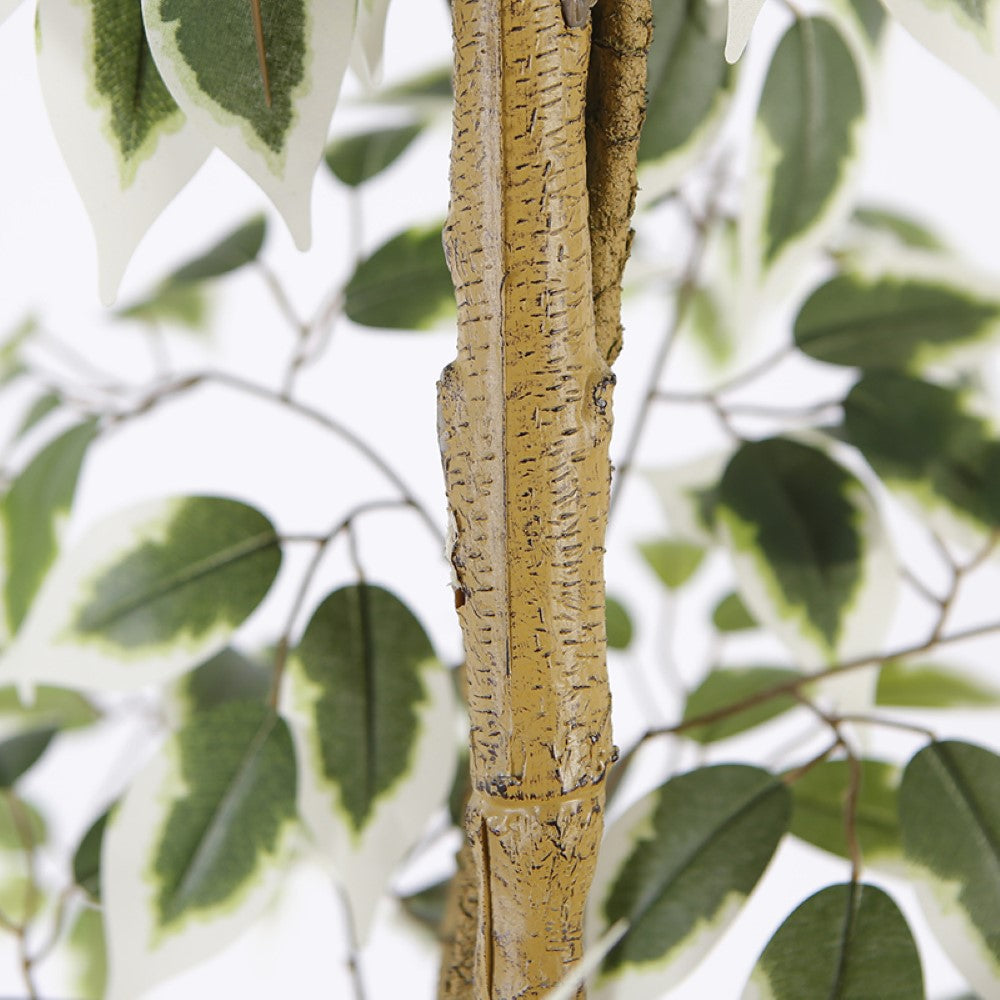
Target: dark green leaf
403, 285
688, 79
32, 513
237, 249
435, 84
700, 840
847, 942
673, 562
794, 512
358, 158
19, 753
810, 110
949, 815
731, 615
931, 685
872, 17
890, 321
238, 767
87, 859
819, 799
428, 905
726, 686
922, 438
364, 650
619, 624
908, 231
227, 676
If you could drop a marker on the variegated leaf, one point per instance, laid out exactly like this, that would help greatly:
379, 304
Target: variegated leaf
264, 97
128, 146
147, 594
366, 59
198, 846
371, 711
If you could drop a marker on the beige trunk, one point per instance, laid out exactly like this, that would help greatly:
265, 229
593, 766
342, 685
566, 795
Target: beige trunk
525, 418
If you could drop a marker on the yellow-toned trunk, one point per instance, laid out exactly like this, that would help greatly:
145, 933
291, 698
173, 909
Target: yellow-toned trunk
525, 418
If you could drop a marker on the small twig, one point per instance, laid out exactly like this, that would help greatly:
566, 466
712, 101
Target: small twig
861, 718
353, 949
790, 777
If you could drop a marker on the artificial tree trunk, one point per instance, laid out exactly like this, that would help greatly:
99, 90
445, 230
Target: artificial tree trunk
525, 421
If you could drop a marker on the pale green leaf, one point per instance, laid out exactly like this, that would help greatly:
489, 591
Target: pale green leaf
12, 349
236, 249
186, 305
891, 321
403, 285
931, 685
88, 954
147, 594
672, 561
429, 89
677, 868
33, 513
47, 707
726, 686
847, 942
731, 615
888, 222
689, 86
820, 797
812, 559
949, 814
619, 624
272, 120
41, 407
358, 158
805, 147
20, 821
198, 846
371, 709
128, 146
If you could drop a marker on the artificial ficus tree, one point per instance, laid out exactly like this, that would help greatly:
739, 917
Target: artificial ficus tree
333, 738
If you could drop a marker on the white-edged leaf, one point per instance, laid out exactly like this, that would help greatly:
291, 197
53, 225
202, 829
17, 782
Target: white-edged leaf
949, 813
128, 146
677, 867
805, 151
199, 844
146, 594
688, 495
271, 119
813, 561
7, 7
366, 58
846, 942
33, 513
371, 711
742, 17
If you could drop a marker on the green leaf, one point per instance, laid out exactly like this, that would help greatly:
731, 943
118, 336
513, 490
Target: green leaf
48, 707
235, 250
12, 829
181, 305
619, 624
89, 955
227, 676
811, 556
887, 222
872, 17
949, 815
403, 285
21, 752
689, 87
87, 859
924, 441
677, 867
427, 906
368, 704
272, 120
198, 846
820, 796
806, 141
731, 615
688, 494
931, 685
892, 321
847, 942
12, 349
728, 685
673, 562
434, 86
358, 158
33, 513
127, 144
147, 594
42, 406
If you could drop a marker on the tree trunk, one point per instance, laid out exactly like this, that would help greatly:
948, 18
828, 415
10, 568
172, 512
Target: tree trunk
525, 419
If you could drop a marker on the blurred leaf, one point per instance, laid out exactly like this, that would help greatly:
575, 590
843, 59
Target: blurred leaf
846, 942
931, 685
677, 867
872, 17
49, 707
434, 84
19, 753
731, 615
619, 624
11, 348
949, 815
358, 158
673, 562
235, 250
891, 321
185, 305
87, 859
726, 686
403, 285
28, 820
688, 494
42, 406
820, 796
428, 905
229, 675
86, 942
907, 231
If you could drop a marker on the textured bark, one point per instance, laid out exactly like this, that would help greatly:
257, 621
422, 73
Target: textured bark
525, 418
